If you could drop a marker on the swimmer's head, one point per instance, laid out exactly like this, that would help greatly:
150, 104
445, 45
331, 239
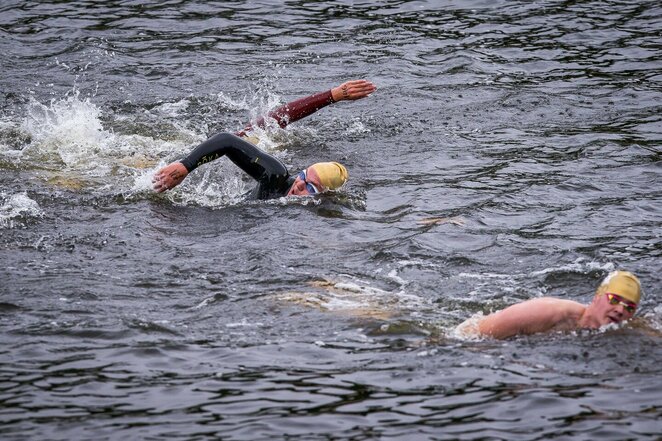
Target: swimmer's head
319, 178
331, 175
622, 283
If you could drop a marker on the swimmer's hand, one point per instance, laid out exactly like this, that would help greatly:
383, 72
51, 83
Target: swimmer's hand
169, 177
353, 90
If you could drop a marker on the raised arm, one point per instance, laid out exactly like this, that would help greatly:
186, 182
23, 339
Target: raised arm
301, 108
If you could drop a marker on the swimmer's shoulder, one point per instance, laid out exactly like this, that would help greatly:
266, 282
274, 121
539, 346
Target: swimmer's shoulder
560, 314
556, 306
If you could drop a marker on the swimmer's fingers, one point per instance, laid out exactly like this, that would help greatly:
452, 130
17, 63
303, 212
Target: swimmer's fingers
160, 185
169, 177
353, 90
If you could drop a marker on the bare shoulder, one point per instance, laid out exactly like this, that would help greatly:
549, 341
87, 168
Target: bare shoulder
554, 308
532, 316
554, 302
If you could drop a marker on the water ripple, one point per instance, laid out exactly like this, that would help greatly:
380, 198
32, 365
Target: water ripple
512, 151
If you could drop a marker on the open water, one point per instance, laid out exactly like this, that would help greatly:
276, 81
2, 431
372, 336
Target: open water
512, 151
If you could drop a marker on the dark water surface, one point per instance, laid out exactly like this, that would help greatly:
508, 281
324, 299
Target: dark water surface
534, 126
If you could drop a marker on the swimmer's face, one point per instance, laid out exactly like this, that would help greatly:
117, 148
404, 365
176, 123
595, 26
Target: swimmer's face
611, 308
306, 183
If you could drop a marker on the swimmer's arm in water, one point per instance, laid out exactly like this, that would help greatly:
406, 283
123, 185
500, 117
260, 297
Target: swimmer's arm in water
169, 177
255, 162
531, 317
303, 107
174, 173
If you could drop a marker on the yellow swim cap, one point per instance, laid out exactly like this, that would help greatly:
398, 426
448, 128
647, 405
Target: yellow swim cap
622, 283
331, 174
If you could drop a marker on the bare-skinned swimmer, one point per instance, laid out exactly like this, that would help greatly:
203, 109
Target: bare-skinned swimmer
615, 301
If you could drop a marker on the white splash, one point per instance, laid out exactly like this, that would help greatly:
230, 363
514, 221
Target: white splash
69, 143
69, 127
468, 329
231, 104
580, 266
172, 109
16, 208
67, 135
356, 128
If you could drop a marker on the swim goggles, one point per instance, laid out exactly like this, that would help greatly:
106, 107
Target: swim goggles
615, 299
310, 187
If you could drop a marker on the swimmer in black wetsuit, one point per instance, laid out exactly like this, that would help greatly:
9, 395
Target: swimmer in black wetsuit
272, 176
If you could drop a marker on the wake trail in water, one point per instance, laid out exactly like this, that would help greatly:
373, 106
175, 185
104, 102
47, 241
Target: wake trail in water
73, 143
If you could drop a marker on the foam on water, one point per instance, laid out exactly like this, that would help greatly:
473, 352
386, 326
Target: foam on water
17, 209
510, 283
69, 128
230, 103
213, 187
355, 298
244, 323
468, 330
653, 318
172, 109
580, 265
68, 138
357, 127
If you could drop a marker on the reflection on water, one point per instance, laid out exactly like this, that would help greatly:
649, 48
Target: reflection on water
512, 151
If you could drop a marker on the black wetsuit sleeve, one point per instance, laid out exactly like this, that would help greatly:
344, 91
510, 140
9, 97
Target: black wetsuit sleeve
264, 168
